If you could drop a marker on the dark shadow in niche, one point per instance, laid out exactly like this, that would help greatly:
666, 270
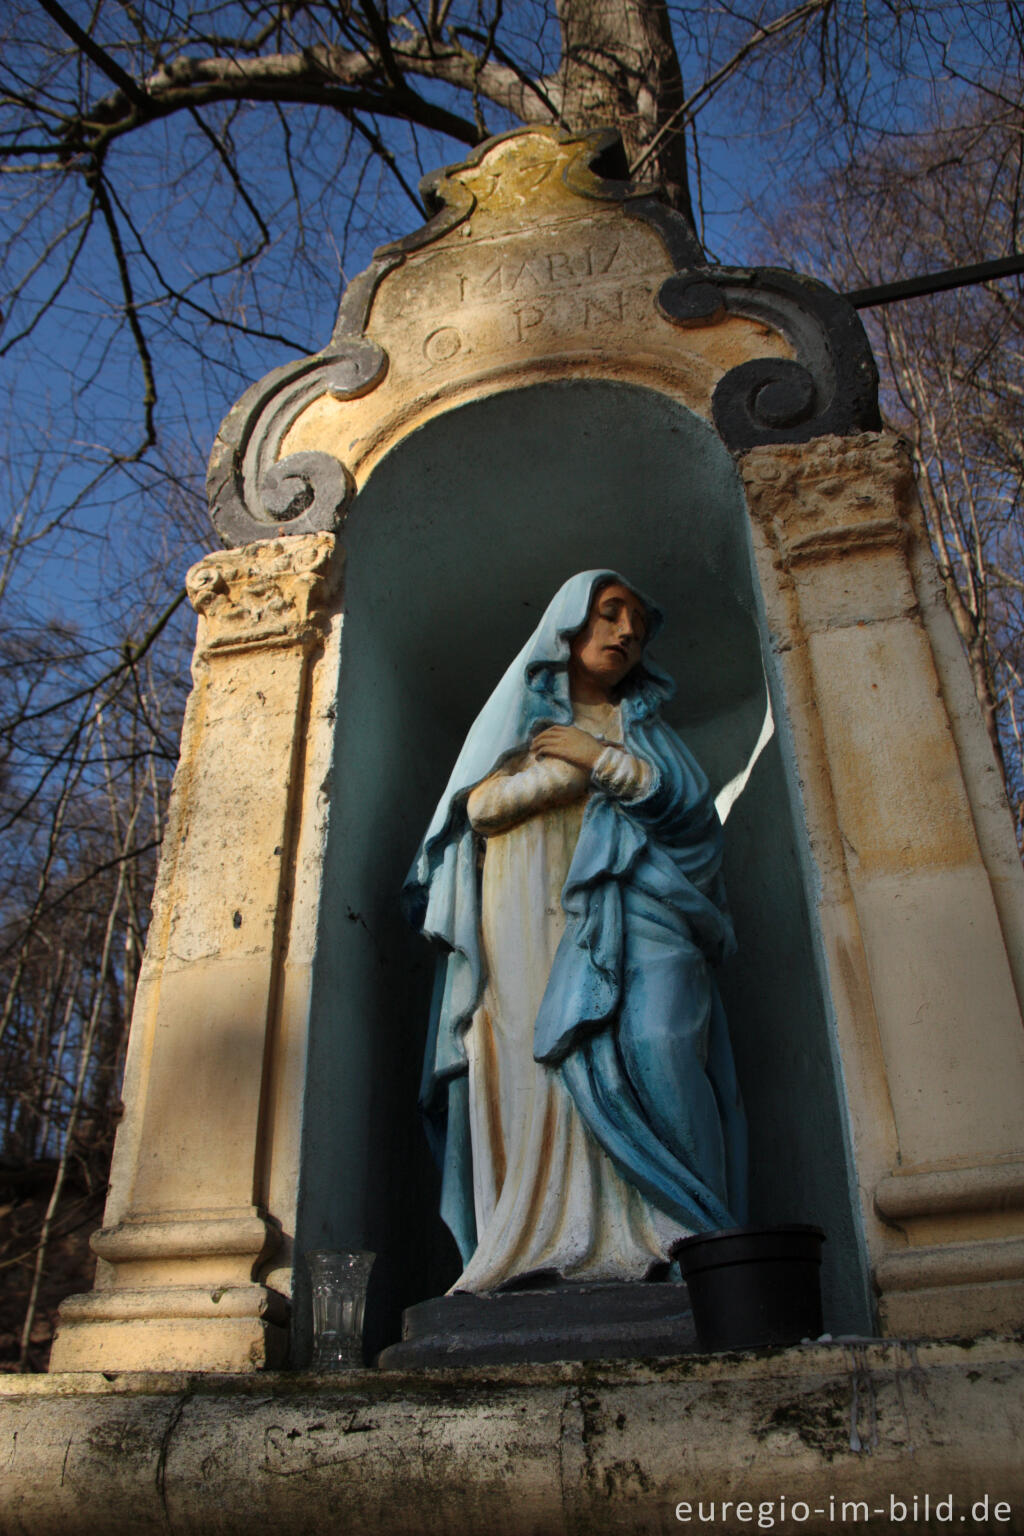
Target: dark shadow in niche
455, 546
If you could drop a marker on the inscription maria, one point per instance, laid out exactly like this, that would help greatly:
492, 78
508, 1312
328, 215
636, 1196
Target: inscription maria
530, 298
509, 278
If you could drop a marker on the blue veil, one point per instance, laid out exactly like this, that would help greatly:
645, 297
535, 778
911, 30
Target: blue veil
631, 1017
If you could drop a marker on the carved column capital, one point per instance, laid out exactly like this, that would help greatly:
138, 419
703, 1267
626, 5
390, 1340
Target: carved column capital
830, 497
273, 593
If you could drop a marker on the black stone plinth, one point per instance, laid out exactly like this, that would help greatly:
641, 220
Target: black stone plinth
564, 1322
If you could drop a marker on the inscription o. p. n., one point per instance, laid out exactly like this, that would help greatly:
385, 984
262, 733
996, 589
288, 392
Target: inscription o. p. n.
442, 345
526, 317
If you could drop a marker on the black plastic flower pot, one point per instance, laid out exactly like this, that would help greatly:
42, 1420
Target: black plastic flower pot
751, 1286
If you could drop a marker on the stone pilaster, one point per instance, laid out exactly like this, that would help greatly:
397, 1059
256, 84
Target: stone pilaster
195, 1251
911, 901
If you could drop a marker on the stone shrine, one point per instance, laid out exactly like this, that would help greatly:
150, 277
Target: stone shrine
549, 377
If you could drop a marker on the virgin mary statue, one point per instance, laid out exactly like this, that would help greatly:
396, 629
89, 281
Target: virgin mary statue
579, 1083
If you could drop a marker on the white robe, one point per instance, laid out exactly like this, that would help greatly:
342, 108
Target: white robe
547, 1197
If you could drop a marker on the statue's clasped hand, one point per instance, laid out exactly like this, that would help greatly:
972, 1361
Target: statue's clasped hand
570, 744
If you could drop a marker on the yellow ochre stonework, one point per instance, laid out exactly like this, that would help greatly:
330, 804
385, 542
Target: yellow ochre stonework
195, 1251
920, 900
538, 282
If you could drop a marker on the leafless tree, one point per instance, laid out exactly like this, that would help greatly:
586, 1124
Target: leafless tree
952, 363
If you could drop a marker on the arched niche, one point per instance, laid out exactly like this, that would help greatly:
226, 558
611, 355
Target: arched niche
454, 547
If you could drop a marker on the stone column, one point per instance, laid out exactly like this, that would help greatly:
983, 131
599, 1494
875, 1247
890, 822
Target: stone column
195, 1252
917, 877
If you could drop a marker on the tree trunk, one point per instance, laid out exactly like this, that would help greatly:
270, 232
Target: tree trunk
619, 66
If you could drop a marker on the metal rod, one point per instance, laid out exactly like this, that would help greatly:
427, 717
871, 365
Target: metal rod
936, 282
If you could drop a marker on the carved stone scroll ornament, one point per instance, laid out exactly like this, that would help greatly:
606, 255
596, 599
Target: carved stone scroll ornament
256, 495
829, 389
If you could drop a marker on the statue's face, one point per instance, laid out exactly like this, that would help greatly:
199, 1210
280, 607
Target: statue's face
611, 642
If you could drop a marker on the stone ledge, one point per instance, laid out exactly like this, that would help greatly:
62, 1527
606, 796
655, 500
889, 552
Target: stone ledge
938, 1192
540, 1449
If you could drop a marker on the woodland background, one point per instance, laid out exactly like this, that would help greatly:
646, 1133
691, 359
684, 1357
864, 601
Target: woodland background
186, 189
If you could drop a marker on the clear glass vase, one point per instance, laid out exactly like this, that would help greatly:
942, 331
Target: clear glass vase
338, 1282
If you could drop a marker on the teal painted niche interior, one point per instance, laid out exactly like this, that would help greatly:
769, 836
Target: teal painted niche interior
454, 547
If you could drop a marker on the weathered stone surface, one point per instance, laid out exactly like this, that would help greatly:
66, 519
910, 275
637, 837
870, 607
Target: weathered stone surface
558, 1450
536, 282
196, 1246
916, 908
534, 268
